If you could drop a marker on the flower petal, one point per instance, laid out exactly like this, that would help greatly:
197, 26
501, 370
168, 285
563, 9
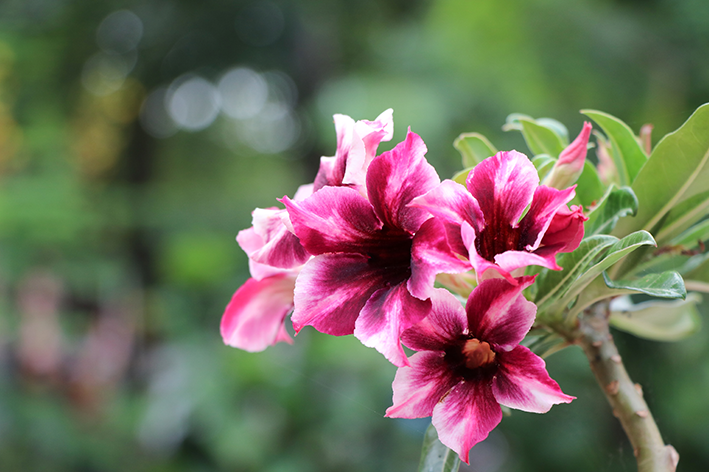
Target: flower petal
451, 202
395, 178
431, 255
547, 202
522, 382
511, 260
441, 328
270, 242
479, 263
566, 229
387, 313
331, 290
498, 312
374, 132
333, 219
466, 416
419, 387
253, 319
503, 185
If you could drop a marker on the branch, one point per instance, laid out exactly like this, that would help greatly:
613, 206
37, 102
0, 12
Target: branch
625, 397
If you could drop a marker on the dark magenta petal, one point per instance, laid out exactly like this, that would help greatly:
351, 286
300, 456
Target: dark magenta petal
547, 202
334, 219
253, 319
331, 290
451, 202
387, 313
441, 328
420, 386
522, 382
431, 255
503, 185
395, 178
466, 416
566, 229
498, 312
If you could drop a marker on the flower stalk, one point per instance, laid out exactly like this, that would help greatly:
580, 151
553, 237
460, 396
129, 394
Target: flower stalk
625, 397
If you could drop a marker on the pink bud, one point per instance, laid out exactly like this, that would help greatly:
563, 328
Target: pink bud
568, 168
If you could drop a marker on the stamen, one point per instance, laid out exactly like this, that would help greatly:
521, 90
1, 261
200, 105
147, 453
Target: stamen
477, 353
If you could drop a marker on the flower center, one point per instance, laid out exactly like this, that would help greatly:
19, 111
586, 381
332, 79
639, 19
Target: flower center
496, 240
477, 353
392, 255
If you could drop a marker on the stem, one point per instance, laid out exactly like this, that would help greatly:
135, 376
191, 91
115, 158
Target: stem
625, 397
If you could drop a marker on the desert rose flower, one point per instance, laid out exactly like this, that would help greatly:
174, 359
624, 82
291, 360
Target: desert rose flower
376, 258
570, 164
507, 220
469, 362
254, 318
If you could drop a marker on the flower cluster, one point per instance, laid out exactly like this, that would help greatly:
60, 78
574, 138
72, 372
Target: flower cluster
358, 252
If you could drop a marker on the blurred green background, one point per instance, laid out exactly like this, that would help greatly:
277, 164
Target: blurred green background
137, 136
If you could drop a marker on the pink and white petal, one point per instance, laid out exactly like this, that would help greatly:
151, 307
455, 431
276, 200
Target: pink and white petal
512, 260
419, 387
479, 263
566, 229
283, 251
547, 201
453, 203
503, 185
303, 192
261, 271
253, 319
523, 383
498, 312
441, 328
466, 416
387, 314
395, 178
333, 219
431, 255
249, 240
326, 174
331, 290
374, 132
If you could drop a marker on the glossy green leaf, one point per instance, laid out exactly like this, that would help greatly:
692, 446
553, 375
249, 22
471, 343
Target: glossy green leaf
589, 188
690, 238
617, 203
628, 155
543, 163
556, 126
473, 148
675, 163
512, 122
615, 253
552, 283
664, 285
543, 342
683, 216
435, 457
540, 139
658, 320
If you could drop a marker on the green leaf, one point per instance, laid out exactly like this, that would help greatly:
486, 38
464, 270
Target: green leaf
690, 238
512, 122
435, 457
665, 285
540, 139
543, 342
628, 155
461, 176
543, 163
674, 165
473, 147
552, 283
556, 126
615, 253
617, 203
658, 320
589, 187
683, 216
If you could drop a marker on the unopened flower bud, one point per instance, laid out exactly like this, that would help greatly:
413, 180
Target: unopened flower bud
568, 168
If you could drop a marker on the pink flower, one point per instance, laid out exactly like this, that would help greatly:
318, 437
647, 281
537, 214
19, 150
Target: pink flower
569, 167
375, 259
507, 220
254, 319
470, 362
